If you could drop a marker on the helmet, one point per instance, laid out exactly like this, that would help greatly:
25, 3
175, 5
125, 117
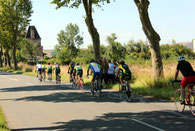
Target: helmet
122, 62
181, 58
71, 63
77, 63
92, 60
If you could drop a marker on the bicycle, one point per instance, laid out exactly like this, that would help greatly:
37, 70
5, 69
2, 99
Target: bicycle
125, 90
58, 79
49, 77
189, 98
96, 90
80, 84
39, 77
73, 81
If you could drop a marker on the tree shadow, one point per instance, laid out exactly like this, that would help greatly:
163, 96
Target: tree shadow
36, 88
146, 121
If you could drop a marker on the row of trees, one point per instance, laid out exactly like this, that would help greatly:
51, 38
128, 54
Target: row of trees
149, 31
69, 41
14, 18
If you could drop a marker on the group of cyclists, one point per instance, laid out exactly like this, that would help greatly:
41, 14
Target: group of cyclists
122, 72
48, 69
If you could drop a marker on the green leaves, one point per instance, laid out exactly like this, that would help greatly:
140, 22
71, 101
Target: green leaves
69, 41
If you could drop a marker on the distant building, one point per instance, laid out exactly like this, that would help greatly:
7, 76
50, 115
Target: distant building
48, 53
190, 45
33, 36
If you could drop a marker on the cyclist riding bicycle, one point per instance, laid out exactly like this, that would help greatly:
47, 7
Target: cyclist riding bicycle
125, 72
49, 70
57, 70
39, 69
70, 70
79, 72
188, 75
96, 71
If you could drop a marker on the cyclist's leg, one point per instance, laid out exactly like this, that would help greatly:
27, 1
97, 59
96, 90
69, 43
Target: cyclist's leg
183, 84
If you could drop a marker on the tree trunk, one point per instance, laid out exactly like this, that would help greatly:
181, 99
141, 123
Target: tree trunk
152, 36
5, 59
14, 57
1, 60
91, 28
8, 57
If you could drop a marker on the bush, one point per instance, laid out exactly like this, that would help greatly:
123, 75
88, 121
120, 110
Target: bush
28, 70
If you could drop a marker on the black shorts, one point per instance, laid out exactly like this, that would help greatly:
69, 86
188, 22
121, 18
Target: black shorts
49, 72
126, 77
79, 73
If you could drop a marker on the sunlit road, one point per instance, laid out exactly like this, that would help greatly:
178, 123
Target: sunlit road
29, 105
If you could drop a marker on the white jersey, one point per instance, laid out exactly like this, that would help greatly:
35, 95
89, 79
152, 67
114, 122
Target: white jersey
111, 68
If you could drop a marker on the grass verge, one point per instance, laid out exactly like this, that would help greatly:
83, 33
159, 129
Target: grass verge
3, 123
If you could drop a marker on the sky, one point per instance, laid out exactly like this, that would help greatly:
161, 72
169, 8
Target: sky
172, 19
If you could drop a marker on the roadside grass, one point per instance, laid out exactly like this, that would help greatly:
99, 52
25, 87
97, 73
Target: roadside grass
3, 123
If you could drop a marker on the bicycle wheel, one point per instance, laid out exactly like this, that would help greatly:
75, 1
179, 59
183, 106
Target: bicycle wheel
192, 101
177, 99
129, 94
97, 89
39, 78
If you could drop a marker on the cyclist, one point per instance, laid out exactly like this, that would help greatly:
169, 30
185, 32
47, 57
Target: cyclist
39, 69
96, 71
43, 70
125, 73
57, 70
79, 72
188, 75
49, 70
70, 70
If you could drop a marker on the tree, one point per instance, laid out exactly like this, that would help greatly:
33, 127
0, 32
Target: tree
16, 17
88, 6
115, 49
152, 36
26, 50
70, 39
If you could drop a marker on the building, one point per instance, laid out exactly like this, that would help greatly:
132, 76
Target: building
190, 45
33, 37
48, 53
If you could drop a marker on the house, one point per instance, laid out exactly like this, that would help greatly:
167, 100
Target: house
33, 37
190, 45
48, 53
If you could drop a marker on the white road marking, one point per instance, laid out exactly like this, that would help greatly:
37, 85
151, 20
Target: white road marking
9, 78
148, 125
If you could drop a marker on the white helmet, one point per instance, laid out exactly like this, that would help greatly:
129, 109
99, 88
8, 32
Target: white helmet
181, 58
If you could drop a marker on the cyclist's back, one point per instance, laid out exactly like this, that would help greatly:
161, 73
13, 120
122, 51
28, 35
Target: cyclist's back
124, 69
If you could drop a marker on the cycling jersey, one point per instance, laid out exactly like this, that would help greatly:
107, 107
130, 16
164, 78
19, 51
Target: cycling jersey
71, 66
95, 68
49, 68
79, 71
57, 68
185, 68
43, 67
39, 67
125, 71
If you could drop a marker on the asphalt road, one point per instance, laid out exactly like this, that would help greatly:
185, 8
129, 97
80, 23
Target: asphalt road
29, 105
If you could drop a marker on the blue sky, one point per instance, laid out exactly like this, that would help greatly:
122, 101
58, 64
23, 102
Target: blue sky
172, 19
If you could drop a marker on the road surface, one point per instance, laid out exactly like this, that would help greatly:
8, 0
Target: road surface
32, 106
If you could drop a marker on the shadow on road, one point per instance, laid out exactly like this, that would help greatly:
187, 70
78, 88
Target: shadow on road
66, 94
124, 122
